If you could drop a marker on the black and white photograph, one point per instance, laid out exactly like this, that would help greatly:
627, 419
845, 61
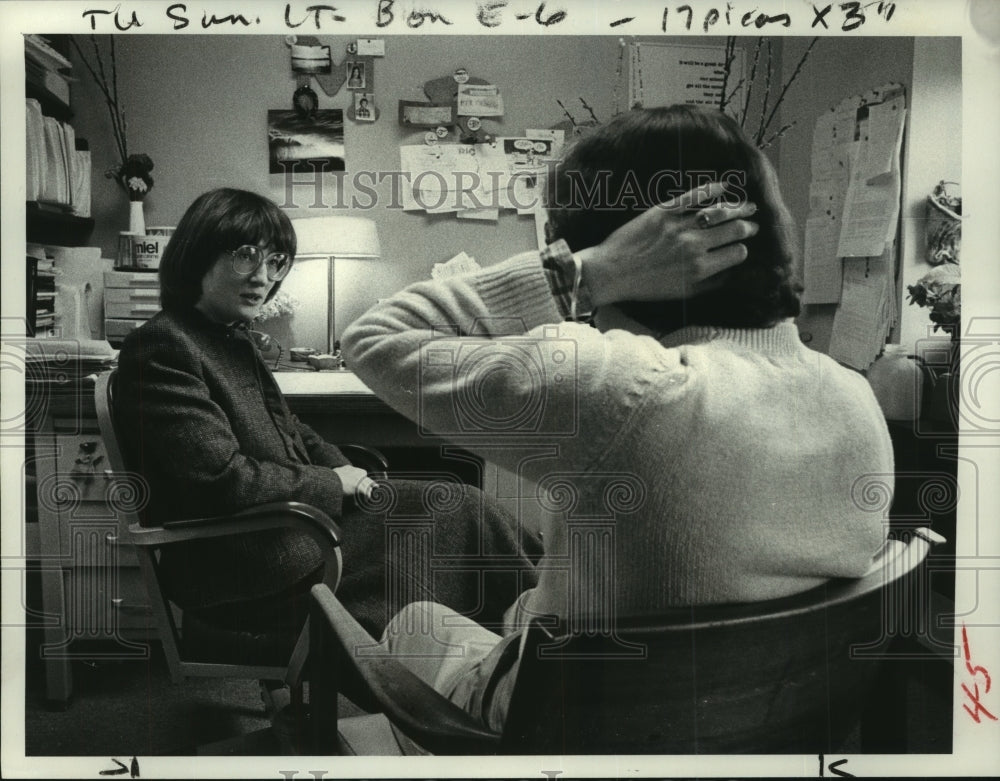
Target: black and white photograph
679, 462
316, 136
364, 106
355, 74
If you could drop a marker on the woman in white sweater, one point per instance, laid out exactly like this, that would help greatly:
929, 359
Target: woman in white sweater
698, 451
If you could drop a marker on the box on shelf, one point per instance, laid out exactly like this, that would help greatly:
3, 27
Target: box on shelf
130, 299
142, 251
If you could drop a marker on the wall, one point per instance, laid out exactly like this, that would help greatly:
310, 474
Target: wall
197, 106
835, 70
934, 152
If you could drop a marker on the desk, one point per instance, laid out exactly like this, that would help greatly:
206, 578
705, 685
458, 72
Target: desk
90, 584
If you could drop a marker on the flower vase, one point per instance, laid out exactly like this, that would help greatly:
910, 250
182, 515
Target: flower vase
136, 218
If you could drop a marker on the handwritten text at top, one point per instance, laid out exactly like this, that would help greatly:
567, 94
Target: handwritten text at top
728, 16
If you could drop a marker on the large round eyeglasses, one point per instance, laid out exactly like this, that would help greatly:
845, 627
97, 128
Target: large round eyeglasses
247, 259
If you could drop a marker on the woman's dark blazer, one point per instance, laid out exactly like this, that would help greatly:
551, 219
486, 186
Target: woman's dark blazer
203, 421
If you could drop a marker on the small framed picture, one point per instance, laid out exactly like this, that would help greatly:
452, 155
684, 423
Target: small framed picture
356, 74
364, 106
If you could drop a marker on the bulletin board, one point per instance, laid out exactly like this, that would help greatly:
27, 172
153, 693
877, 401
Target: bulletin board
850, 253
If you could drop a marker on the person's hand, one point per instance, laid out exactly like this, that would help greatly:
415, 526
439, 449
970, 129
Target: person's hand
669, 251
355, 481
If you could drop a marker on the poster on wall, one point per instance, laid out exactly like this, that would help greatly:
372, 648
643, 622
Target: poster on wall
662, 74
292, 138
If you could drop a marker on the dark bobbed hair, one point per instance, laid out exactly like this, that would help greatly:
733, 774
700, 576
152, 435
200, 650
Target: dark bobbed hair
646, 155
218, 220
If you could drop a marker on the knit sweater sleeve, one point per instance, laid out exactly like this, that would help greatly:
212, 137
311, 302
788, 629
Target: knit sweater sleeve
485, 357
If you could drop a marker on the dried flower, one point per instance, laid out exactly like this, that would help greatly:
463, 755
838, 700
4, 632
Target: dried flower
940, 290
133, 176
133, 171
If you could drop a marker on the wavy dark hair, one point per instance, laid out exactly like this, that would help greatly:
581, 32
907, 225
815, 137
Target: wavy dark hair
216, 221
643, 157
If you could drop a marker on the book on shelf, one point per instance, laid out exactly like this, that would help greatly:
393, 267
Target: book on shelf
57, 163
40, 51
34, 138
55, 185
53, 82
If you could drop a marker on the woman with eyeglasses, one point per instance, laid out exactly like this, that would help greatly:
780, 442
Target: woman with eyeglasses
204, 422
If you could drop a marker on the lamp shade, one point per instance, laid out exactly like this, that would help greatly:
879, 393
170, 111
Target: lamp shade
336, 236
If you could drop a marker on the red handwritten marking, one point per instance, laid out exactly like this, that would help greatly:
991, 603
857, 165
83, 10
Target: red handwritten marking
973, 694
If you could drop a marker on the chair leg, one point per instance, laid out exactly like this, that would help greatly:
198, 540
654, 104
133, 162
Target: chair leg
300, 655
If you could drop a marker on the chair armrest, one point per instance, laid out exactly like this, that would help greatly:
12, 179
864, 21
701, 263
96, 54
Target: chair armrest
274, 515
365, 457
365, 672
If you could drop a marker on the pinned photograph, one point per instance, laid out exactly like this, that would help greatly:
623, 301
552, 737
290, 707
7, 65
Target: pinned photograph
310, 58
364, 106
293, 138
355, 74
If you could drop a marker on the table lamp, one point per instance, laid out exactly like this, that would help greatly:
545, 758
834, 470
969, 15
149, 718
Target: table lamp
332, 237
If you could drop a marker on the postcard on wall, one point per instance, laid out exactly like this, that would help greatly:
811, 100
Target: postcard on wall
479, 100
526, 153
371, 47
422, 114
556, 135
292, 138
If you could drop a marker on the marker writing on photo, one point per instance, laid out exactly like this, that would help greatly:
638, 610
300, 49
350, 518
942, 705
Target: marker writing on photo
974, 694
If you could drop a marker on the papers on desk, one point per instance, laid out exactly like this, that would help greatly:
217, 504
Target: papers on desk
462, 263
60, 360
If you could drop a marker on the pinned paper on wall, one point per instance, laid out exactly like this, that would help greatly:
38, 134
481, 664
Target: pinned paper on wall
556, 136
371, 47
418, 113
867, 310
452, 177
855, 188
871, 211
479, 100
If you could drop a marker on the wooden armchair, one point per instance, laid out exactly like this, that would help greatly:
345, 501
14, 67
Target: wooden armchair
787, 675
192, 647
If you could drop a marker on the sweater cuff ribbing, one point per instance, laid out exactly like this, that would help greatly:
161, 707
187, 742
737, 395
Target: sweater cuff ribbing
517, 290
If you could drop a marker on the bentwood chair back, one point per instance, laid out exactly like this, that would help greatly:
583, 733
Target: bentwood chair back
790, 675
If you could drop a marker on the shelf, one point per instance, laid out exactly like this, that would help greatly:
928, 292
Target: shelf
51, 105
48, 226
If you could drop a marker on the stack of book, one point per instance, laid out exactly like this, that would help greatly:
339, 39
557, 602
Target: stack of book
40, 307
46, 68
57, 164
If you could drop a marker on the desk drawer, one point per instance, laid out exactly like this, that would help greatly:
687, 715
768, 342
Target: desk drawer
92, 542
130, 309
131, 279
128, 295
100, 600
